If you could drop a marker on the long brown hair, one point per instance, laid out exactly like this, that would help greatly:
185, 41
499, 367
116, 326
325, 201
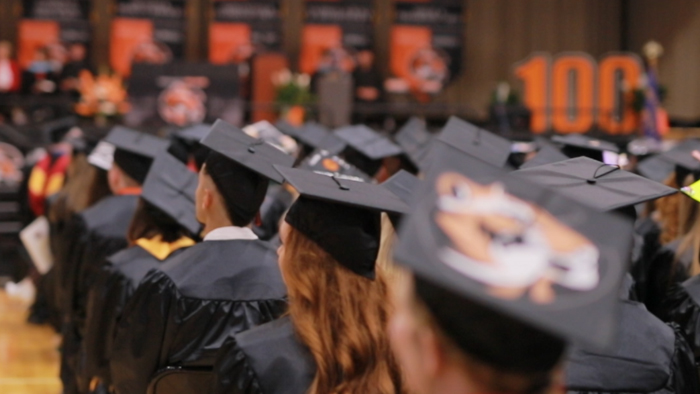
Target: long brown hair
85, 185
669, 215
342, 318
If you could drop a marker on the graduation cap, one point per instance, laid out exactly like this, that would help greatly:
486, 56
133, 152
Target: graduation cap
134, 151
102, 156
415, 141
170, 186
402, 185
310, 134
681, 156
546, 155
596, 184
185, 146
657, 168
575, 145
193, 134
367, 148
254, 154
520, 250
341, 216
267, 132
324, 162
54, 131
476, 142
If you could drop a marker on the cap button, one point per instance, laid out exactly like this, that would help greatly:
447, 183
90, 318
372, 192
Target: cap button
591, 181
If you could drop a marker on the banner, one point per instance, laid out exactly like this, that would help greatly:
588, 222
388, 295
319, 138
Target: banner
426, 43
242, 28
158, 36
335, 30
181, 94
52, 24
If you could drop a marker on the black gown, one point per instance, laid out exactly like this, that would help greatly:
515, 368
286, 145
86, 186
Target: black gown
97, 232
273, 208
664, 272
649, 357
114, 286
649, 232
181, 314
268, 359
683, 305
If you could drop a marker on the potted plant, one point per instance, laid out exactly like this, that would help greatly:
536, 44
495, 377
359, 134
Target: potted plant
293, 95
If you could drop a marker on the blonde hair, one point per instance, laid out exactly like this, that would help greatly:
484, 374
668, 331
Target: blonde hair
342, 318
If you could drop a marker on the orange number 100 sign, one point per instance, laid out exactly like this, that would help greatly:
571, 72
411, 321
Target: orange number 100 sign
561, 93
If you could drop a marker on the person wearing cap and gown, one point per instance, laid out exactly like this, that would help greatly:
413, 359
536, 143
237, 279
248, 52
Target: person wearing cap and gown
185, 146
163, 225
577, 145
414, 139
503, 274
333, 339
101, 230
372, 153
181, 313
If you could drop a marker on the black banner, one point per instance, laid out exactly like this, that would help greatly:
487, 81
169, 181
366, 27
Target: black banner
168, 17
73, 16
263, 17
353, 16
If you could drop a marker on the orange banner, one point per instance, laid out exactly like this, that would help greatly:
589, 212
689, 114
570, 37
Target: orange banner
405, 43
225, 39
32, 35
126, 34
315, 40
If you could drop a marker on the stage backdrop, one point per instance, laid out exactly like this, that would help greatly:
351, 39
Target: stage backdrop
50, 24
147, 31
426, 43
334, 31
243, 27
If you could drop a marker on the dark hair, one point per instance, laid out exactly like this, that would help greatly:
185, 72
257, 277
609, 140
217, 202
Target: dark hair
242, 189
506, 344
149, 221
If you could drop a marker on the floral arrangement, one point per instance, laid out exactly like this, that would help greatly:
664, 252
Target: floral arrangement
292, 89
103, 96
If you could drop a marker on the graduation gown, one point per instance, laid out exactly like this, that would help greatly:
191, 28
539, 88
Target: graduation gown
647, 245
98, 232
664, 272
116, 283
683, 305
273, 208
649, 357
181, 314
268, 359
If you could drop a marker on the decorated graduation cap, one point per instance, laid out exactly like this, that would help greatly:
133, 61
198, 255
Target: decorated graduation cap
252, 153
366, 147
326, 163
476, 142
596, 184
546, 155
532, 254
402, 185
56, 130
102, 155
415, 141
267, 132
185, 146
575, 145
170, 186
134, 151
341, 216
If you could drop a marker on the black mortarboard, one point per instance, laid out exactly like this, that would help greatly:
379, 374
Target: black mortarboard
54, 131
341, 216
596, 184
657, 168
184, 144
366, 147
310, 134
326, 163
682, 158
546, 155
575, 145
134, 151
170, 186
193, 133
402, 185
525, 251
475, 141
415, 141
254, 154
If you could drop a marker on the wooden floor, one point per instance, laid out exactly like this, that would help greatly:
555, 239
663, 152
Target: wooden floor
28, 354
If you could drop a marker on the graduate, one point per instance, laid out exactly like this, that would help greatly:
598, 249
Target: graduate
414, 139
163, 225
503, 275
372, 153
334, 337
185, 146
182, 312
101, 230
